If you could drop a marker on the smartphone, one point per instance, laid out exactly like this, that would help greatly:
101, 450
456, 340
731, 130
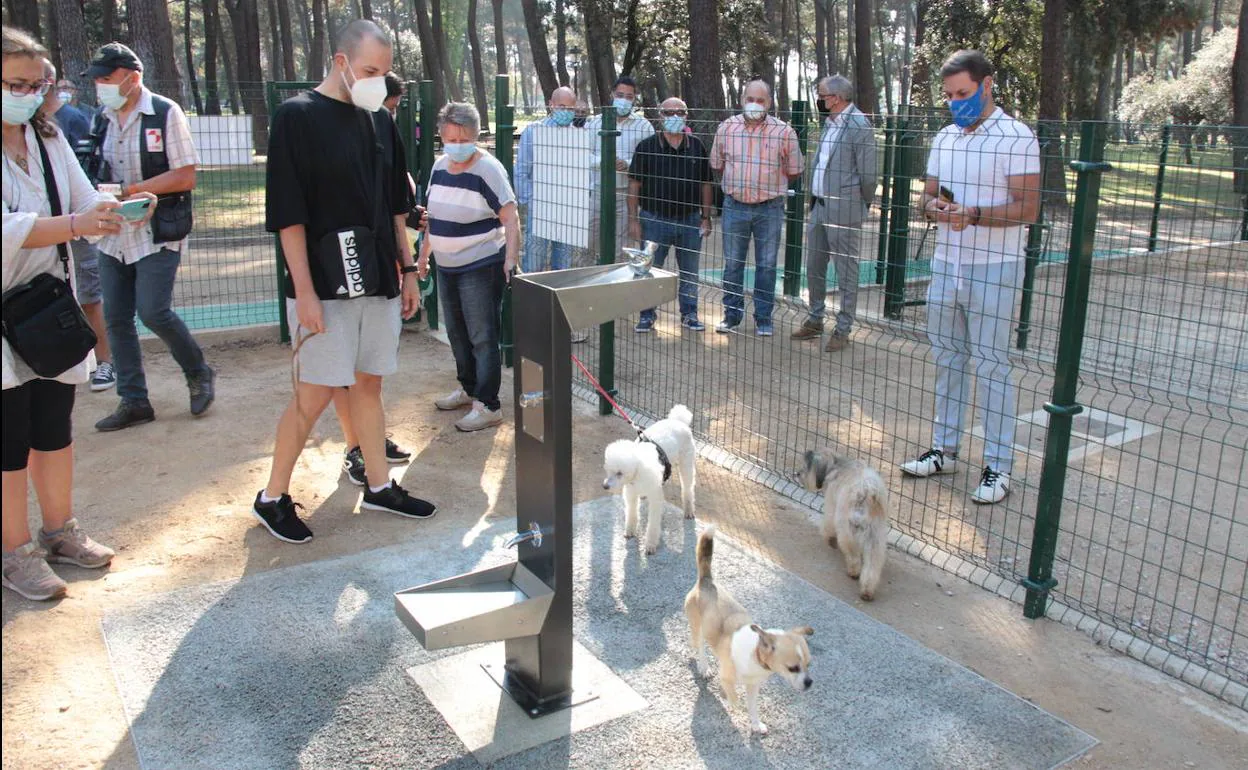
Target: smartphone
134, 210
946, 194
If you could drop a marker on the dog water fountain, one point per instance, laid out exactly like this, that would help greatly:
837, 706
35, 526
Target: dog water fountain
528, 604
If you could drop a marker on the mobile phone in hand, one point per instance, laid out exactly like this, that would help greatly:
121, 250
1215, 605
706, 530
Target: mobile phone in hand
946, 194
134, 210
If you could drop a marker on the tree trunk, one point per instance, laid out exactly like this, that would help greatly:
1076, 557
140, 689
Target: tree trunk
366, 9
1239, 104
907, 58
429, 52
537, 44
398, 67
763, 61
1052, 60
305, 29
227, 62
316, 51
500, 39
706, 80
879, 32
24, 14
286, 37
212, 37
153, 42
188, 45
275, 46
245, 19
443, 52
864, 77
478, 71
108, 19
834, 43
635, 43
821, 39
71, 37
561, 42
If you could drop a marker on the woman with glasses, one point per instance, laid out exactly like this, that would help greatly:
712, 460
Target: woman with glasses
36, 429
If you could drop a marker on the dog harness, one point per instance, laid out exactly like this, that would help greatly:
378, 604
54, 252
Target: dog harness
667, 464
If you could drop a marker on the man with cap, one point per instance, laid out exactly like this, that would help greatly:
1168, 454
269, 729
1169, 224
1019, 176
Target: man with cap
145, 146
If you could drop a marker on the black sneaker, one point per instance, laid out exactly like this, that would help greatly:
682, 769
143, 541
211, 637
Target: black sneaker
280, 519
203, 391
396, 500
353, 464
128, 413
395, 454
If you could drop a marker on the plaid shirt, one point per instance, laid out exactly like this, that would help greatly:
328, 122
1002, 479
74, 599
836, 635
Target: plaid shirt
756, 158
122, 145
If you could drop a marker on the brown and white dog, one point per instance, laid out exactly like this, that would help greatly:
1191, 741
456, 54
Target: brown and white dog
745, 651
855, 514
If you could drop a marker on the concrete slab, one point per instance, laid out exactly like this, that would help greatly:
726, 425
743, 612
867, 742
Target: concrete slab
304, 667
492, 726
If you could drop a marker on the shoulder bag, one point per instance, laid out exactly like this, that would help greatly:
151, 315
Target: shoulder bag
42, 320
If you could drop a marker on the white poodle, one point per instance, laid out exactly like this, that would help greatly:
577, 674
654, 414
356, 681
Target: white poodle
637, 466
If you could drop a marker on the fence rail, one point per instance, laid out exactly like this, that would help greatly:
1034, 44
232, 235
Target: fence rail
1130, 487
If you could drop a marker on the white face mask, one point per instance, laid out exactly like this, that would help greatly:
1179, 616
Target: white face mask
754, 110
367, 93
110, 95
65, 96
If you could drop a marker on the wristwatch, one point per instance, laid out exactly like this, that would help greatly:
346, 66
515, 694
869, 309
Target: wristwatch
408, 269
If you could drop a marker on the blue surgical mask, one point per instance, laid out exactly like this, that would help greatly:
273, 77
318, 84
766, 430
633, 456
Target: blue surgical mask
623, 107
459, 151
674, 124
967, 111
20, 109
563, 116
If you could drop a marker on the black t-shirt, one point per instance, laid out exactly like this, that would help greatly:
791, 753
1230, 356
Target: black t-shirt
671, 177
321, 175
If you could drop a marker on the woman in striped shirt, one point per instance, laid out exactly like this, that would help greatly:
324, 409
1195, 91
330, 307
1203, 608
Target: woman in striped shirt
474, 234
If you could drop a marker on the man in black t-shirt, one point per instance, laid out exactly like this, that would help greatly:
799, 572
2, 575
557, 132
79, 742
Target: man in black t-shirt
337, 195
670, 184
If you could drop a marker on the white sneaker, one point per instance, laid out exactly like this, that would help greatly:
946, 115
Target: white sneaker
993, 487
930, 463
454, 400
479, 418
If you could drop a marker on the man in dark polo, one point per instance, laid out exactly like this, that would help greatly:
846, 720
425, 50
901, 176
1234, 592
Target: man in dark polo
669, 202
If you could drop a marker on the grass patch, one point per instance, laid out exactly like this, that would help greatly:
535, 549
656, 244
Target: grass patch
230, 198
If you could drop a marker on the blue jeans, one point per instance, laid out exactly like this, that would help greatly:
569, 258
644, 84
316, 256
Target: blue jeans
472, 305
969, 313
145, 287
684, 234
763, 221
542, 254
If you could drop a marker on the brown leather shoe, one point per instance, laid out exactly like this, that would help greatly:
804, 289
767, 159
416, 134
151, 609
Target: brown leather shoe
836, 343
807, 331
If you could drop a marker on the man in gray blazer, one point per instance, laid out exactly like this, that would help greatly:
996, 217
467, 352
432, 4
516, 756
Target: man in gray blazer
842, 186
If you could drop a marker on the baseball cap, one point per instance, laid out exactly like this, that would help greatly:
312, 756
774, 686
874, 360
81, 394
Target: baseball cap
110, 57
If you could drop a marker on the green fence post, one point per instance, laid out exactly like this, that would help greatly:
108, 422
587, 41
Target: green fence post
424, 152
1063, 408
503, 140
606, 252
886, 177
283, 323
1158, 187
899, 221
1035, 242
795, 221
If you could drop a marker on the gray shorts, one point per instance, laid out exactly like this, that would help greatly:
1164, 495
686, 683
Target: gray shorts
86, 271
361, 335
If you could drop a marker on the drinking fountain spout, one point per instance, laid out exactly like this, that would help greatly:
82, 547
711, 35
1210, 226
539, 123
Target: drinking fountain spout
534, 535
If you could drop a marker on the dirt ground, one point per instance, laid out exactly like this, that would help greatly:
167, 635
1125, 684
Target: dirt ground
172, 497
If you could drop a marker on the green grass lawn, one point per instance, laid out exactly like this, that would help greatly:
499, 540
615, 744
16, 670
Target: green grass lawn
230, 199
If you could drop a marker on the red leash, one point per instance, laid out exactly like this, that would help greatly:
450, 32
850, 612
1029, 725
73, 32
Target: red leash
604, 393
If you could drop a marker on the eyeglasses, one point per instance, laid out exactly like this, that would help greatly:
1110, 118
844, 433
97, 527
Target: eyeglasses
22, 88
673, 113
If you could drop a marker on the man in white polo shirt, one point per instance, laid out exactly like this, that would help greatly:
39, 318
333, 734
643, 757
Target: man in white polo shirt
982, 188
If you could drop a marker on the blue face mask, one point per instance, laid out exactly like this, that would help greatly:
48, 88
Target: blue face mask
623, 107
674, 124
20, 109
563, 116
459, 151
967, 111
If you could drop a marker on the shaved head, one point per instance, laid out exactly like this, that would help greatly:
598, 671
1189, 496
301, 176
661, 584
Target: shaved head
563, 97
673, 103
758, 91
355, 33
